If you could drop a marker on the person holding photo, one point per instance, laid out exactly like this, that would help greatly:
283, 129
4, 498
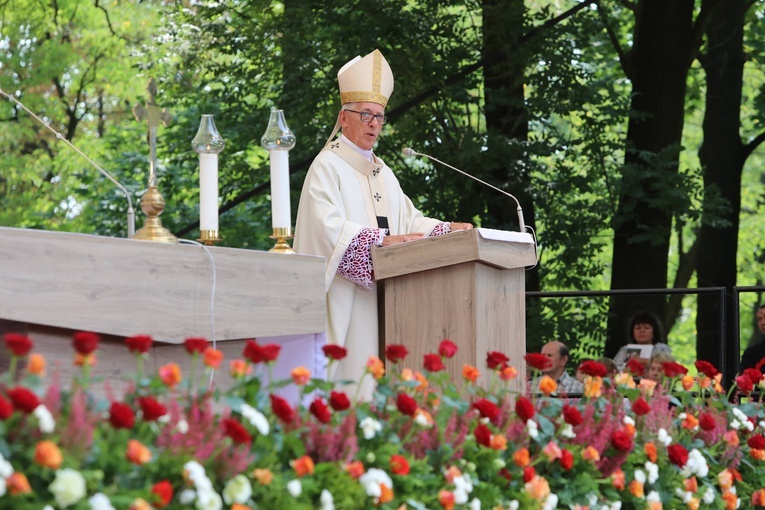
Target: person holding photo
645, 329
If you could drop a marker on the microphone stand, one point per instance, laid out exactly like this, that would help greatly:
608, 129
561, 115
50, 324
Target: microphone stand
131, 211
409, 152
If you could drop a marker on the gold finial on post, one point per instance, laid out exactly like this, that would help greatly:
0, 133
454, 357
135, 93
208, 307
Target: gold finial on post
152, 202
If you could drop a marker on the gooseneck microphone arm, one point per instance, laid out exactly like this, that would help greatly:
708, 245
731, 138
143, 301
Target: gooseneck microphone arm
131, 211
409, 152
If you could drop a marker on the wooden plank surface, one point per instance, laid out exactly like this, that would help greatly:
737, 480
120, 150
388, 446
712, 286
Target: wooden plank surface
125, 287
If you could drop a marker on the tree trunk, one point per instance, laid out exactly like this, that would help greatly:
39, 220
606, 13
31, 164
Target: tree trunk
722, 158
507, 116
658, 64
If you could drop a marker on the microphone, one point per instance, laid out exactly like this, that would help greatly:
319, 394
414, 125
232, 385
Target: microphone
407, 151
131, 211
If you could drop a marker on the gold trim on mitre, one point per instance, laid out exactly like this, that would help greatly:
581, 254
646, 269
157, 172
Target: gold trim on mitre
367, 79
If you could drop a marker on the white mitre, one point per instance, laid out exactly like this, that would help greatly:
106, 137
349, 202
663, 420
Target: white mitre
366, 80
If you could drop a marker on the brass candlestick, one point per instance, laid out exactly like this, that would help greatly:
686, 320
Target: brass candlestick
209, 237
281, 235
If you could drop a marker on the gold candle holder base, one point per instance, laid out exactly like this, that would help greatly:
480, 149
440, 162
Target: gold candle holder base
152, 204
209, 237
281, 235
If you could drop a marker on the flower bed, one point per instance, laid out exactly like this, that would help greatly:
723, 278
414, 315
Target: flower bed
420, 443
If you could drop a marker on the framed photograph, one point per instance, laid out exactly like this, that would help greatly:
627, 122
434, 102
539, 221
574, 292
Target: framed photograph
639, 350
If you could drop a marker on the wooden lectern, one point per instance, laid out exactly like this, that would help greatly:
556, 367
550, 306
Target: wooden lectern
467, 286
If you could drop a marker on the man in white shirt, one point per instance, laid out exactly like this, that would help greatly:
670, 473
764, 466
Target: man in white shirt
558, 354
351, 200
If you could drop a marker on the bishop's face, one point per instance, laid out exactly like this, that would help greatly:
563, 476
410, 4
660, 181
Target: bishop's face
363, 134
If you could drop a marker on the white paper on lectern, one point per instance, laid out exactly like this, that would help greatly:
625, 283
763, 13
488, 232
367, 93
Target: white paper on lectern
504, 235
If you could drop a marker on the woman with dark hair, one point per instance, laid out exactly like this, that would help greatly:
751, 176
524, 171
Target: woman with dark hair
645, 329
755, 352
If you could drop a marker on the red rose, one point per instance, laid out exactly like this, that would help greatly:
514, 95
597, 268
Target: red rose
399, 465
85, 343
495, 360
641, 407
744, 383
756, 442
566, 459
593, 368
634, 367
406, 404
334, 351
121, 416
257, 353
396, 353
339, 401
706, 368
139, 344
433, 363
320, 410
23, 399
678, 455
707, 421
572, 416
487, 408
236, 431
621, 441
754, 375
151, 409
195, 345
504, 473
529, 473
524, 409
282, 409
447, 349
164, 493
672, 369
537, 361
482, 435
6, 408
18, 344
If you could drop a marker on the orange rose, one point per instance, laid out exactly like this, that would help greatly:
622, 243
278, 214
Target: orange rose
693, 503
303, 466
618, 479
425, 416
137, 453
300, 376
375, 367
470, 373
624, 379
36, 364
591, 453
636, 489
691, 485
687, 381
508, 373
239, 368
521, 457
81, 360
239, 506
17, 484
212, 358
757, 454
386, 495
538, 488
647, 386
140, 504
47, 454
355, 469
446, 498
263, 476
655, 505
731, 437
170, 374
593, 387
690, 422
725, 479
758, 497
423, 386
731, 500
650, 451
499, 442
452, 473
547, 385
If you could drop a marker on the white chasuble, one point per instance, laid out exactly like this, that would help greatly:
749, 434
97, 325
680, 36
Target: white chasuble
342, 194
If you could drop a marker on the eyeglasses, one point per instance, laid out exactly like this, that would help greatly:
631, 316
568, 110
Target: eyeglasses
367, 117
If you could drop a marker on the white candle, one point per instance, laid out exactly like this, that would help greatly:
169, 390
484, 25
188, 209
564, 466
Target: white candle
280, 189
208, 191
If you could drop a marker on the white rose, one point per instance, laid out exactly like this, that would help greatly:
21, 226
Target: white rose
326, 500
44, 419
100, 501
68, 488
237, 490
3, 487
256, 419
475, 504
6, 469
370, 426
295, 488
187, 496
209, 500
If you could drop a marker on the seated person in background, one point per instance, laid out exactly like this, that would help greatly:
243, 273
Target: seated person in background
655, 371
610, 366
558, 355
645, 329
755, 352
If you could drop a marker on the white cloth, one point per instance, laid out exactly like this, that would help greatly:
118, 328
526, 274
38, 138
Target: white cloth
343, 193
